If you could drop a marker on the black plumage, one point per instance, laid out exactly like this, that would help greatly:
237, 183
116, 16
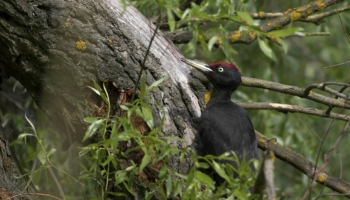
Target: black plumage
225, 125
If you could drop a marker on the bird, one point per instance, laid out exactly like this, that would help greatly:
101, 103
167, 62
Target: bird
224, 125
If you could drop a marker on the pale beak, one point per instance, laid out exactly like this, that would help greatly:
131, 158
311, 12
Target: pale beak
198, 65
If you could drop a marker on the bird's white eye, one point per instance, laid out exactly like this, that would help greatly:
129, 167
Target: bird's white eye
220, 69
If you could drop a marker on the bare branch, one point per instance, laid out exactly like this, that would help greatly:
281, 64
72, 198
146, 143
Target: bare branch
291, 108
295, 91
269, 175
266, 176
302, 164
318, 18
322, 86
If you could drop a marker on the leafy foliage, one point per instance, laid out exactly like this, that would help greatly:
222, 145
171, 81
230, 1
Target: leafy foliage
110, 169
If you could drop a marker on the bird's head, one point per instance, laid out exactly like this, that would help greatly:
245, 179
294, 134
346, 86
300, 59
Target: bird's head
221, 74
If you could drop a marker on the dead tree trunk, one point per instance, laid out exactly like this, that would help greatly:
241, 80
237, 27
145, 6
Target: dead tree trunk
56, 48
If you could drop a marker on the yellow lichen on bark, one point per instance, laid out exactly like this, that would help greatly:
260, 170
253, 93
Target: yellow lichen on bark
295, 15
320, 4
261, 14
235, 36
321, 178
252, 34
288, 10
309, 12
273, 158
80, 44
110, 43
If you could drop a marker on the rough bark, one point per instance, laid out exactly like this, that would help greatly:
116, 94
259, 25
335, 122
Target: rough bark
9, 186
56, 48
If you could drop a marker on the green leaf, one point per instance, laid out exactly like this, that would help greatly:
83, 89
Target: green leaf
163, 171
23, 135
149, 195
106, 95
178, 189
145, 160
42, 156
129, 168
205, 179
185, 13
265, 48
171, 21
220, 170
284, 32
169, 186
212, 41
30, 123
95, 90
93, 128
156, 83
52, 151
97, 86
246, 17
90, 120
119, 177
147, 116
123, 107
202, 165
128, 188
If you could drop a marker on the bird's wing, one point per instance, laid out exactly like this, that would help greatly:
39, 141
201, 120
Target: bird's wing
228, 128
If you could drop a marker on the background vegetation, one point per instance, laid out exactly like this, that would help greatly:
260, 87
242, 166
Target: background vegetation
299, 61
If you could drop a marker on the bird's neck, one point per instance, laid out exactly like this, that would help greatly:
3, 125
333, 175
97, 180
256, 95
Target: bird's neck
220, 96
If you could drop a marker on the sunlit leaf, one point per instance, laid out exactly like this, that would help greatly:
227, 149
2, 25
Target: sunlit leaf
265, 48
171, 20
211, 42
145, 160
205, 179
156, 83
52, 151
93, 128
284, 32
42, 156
246, 16
220, 170
162, 171
90, 120
169, 186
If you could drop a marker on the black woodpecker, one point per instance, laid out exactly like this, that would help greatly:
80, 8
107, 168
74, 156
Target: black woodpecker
225, 126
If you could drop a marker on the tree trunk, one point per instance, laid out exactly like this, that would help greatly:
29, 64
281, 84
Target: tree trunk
56, 48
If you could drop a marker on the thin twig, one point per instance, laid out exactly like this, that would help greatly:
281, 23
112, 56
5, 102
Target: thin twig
145, 58
35, 194
57, 182
341, 21
312, 130
343, 63
291, 108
